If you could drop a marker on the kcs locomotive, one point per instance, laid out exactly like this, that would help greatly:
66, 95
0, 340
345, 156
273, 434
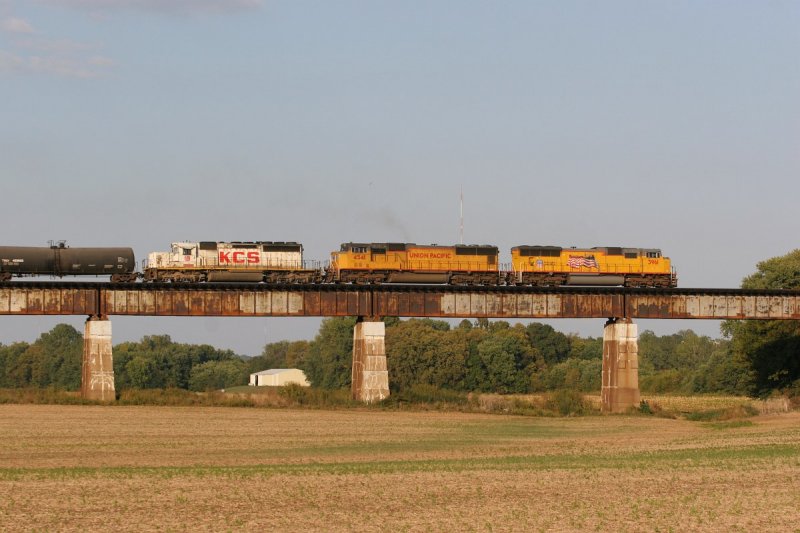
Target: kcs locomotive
267, 261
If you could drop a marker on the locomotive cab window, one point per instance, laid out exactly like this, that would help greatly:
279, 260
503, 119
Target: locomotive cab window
359, 249
188, 251
654, 255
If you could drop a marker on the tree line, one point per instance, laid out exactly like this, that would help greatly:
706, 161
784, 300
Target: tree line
484, 356
754, 357
480, 356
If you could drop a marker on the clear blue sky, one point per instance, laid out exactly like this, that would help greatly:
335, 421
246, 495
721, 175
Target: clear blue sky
655, 124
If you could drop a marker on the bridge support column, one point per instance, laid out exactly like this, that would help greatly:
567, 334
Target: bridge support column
370, 377
97, 369
620, 389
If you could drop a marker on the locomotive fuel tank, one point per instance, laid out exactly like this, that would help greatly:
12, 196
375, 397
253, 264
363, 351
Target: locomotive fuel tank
595, 280
63, 261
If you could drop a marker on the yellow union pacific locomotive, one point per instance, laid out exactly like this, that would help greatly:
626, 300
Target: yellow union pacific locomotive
553, 265
479, 265
412, 263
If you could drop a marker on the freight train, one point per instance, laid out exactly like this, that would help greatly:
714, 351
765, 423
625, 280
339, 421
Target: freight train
360, 263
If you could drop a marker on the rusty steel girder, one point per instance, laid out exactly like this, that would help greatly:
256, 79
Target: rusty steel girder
187, 302
351, 300
48, 301
499, 304
715, 306
435, 301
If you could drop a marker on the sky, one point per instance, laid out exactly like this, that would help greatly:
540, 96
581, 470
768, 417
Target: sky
137, 123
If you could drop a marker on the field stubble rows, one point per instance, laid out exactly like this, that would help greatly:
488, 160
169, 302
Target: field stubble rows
174, 469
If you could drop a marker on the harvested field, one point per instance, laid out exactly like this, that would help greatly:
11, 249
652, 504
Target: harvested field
201, 468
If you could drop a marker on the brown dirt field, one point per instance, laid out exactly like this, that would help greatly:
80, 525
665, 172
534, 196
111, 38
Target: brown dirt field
71, 468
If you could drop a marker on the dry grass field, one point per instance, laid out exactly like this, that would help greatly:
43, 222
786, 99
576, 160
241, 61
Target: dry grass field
91, 468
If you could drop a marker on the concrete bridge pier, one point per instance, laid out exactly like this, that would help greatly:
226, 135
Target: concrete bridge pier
370, 377
97, 368
620, 388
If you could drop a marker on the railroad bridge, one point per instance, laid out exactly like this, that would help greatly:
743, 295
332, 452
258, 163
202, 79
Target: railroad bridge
620, 306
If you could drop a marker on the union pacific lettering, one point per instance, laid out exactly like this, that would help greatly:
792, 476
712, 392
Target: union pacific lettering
238, 258
430, 255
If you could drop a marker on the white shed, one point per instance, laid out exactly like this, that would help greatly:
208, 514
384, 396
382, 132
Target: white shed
277, 377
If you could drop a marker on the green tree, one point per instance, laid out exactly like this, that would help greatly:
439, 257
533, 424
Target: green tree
54, 360
275, 355
475, 371
142, 373
508, 360
693, 350
57, 357
438, 325
722, 372
657, 353
684, 351
15, 365
282, 354
771, 349
156, 362
587, 349
420, 352
574, 374
689, 363
215, 375
391, 321
330, 356
553, 345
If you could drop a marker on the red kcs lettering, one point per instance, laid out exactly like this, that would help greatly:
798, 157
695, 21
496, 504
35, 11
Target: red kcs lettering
239, 257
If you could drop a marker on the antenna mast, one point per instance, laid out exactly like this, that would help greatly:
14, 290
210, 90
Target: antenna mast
461, 215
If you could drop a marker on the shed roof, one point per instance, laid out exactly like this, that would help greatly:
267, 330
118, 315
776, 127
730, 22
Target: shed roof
273, 371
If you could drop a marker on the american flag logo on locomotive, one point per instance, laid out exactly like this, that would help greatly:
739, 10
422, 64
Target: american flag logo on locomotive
578, 261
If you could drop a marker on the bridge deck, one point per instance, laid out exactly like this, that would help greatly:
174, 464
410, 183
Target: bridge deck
436, 301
